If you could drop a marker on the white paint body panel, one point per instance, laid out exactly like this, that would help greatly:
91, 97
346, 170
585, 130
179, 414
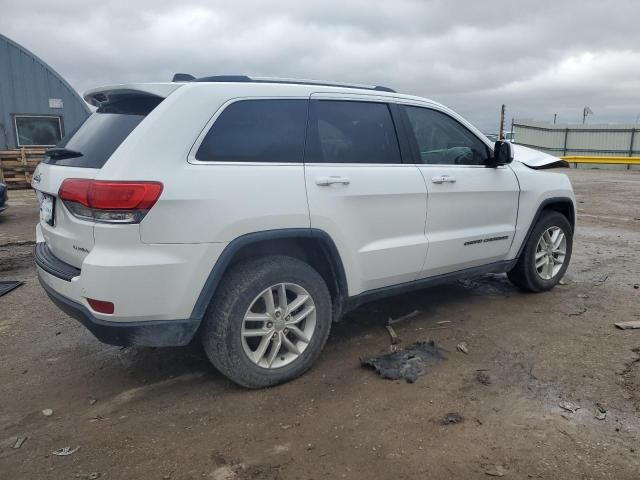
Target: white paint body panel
71, 238
536, 186
481, 205
532, 158
376, 222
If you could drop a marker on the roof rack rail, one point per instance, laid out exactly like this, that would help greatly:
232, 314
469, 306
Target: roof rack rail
290, 81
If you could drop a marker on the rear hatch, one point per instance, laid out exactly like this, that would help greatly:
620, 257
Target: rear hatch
81, 155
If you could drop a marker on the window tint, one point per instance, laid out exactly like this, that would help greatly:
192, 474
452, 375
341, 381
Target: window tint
442, 140
99, 136
257, 131
351, 132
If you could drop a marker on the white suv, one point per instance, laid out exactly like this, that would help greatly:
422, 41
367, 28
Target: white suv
253, 213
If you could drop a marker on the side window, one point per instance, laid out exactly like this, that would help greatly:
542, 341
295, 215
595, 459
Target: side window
351, 132
442, 140
257, 131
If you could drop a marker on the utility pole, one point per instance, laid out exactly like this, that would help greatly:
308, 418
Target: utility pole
555, 117
501, 133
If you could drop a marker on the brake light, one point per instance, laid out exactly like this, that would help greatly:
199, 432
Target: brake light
106, 201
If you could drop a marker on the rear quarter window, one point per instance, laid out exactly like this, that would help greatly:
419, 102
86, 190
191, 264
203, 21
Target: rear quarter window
269, 130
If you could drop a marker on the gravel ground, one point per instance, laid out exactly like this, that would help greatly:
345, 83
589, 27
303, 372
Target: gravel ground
167, 414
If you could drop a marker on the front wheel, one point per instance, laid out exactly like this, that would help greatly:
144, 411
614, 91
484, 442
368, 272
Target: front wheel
269, 321
546, 255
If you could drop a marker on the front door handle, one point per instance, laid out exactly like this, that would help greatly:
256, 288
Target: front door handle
443, 179
326, 181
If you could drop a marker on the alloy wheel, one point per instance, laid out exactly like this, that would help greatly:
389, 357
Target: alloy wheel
279, 325
551, 252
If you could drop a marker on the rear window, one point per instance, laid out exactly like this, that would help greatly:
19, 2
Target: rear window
257, 131
103, 132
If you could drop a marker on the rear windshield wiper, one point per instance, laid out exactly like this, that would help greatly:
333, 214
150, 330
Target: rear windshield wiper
58, 153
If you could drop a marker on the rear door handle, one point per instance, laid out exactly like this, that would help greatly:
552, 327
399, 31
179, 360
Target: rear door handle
443, 179
326, 181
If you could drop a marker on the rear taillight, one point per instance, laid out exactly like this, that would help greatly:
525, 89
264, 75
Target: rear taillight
111, 202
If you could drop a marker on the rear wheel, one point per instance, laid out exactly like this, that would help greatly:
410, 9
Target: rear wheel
269, 321
546, 255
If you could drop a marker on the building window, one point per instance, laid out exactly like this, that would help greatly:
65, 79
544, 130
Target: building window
37, 130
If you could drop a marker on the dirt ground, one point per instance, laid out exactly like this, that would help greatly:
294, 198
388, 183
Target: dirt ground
167, 414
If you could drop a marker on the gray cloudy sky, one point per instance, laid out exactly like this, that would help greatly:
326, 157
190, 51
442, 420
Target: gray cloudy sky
539, 57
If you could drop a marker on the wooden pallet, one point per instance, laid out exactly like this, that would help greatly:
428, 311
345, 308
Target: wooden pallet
17, 166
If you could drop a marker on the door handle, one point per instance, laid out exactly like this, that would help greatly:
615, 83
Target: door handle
326, 181
443, 179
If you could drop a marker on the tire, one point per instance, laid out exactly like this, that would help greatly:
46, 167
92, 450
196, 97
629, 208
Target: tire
227, 326
525, 274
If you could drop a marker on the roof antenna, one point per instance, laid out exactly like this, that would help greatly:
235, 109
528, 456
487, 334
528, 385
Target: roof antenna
182, 77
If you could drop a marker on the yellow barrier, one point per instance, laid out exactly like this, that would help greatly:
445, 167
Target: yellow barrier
613, 160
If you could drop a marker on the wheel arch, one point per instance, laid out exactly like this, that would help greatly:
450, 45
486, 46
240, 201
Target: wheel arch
563, 205
313, 246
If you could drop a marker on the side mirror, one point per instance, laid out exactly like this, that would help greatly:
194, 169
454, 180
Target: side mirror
502, 154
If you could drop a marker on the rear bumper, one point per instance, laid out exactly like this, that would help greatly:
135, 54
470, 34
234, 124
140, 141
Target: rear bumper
145, 282
154, 289
162, 333
53, 265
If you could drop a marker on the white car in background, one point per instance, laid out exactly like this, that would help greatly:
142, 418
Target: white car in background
494, 137
253, 213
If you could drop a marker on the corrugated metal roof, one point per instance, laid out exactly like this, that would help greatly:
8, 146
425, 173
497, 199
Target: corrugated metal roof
29, 86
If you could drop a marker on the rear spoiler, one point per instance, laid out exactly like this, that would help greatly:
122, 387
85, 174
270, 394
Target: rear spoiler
101, 95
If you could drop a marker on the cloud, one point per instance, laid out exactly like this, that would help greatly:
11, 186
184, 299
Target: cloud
539, 57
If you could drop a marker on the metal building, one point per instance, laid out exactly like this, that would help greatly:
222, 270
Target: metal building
605, 140
37, 106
